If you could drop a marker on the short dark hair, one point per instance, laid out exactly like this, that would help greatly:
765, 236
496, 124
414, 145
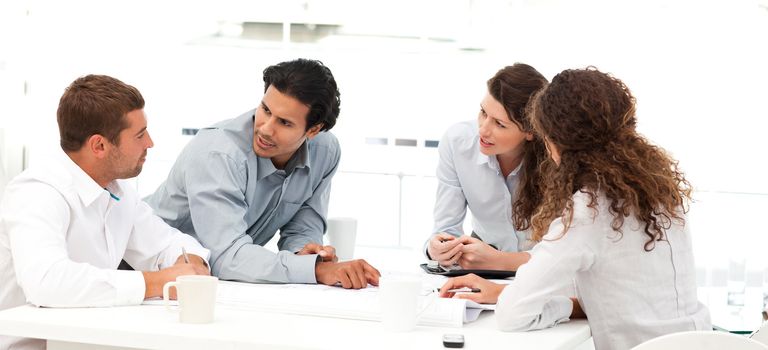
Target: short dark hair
95, 104
310, 82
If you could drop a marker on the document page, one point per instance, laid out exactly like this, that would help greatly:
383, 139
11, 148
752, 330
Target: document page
327, 301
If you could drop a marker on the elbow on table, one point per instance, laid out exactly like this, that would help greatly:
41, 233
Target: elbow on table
37, 292
47, 297
56, 289
512, 319
517, 324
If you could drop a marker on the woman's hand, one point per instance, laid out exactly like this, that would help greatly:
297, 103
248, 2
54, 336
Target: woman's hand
488, 294
445, 249
476, 254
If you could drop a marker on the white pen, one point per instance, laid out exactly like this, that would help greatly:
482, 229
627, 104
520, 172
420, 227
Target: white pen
186, 257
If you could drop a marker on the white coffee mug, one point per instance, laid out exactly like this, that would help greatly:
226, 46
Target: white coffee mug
341, 235
399, 302
196, 295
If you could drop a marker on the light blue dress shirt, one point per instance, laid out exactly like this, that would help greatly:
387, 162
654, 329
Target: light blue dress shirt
234, 202
469, 179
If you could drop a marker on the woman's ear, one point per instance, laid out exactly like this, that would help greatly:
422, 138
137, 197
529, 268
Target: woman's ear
529, 136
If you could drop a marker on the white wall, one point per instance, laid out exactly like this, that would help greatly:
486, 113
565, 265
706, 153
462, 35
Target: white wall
408, 70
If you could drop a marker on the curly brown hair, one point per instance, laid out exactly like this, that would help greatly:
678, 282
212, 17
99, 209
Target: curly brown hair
589, 116
513, 86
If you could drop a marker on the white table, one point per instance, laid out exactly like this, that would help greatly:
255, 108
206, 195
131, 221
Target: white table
153, 327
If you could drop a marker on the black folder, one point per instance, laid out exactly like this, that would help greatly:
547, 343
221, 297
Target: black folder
488, 274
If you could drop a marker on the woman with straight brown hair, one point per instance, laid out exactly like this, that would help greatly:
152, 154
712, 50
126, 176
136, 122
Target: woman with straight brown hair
490, 166
612, 218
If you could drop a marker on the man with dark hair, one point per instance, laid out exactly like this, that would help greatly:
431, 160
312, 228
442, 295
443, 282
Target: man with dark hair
239, 182
66, 225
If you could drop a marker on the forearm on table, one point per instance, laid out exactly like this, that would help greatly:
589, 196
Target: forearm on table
254, 263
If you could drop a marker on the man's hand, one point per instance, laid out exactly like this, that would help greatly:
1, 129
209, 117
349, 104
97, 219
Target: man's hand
198, 263
155, 280
355, 274
489, 291
445, 248
326, 252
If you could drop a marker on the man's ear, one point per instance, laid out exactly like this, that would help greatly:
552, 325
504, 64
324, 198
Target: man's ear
97, 145
313, 131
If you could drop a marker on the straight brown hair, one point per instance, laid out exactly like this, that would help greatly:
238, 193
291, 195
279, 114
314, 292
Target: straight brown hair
513, 86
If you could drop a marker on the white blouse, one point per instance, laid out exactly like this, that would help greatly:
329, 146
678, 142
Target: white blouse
469, 179
629, 295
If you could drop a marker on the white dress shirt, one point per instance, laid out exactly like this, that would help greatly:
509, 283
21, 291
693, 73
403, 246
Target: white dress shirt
468, 178
62, 237
629, 295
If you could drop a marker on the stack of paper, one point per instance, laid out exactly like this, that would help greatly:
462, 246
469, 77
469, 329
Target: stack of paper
326, 301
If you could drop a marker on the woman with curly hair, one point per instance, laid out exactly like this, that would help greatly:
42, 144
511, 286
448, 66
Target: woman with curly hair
490, 166
612, 218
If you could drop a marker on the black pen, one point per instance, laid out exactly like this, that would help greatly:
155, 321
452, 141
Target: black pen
463, 290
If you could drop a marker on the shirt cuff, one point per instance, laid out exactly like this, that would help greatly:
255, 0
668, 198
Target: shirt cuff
301, 268
426, 248
561, 307
199, 251
130, 287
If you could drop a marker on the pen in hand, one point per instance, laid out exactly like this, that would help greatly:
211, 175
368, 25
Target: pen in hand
462, 290
184, 253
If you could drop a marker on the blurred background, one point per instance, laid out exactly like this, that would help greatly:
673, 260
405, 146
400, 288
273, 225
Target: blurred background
407, 70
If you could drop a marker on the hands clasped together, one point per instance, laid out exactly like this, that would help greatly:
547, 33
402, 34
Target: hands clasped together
466, 251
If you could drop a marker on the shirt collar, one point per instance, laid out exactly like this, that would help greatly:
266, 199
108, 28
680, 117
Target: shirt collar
84, 185
517, 169
300, 159
493, 163
264, 167
490, 161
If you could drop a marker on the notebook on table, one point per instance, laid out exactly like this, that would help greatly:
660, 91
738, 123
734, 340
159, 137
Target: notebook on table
458, 271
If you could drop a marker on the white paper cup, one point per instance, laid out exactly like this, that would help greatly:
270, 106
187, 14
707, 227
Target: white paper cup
399, 299
196, 295
341, 235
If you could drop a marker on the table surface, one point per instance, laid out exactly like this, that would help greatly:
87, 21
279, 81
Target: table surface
738, 319
154, 327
